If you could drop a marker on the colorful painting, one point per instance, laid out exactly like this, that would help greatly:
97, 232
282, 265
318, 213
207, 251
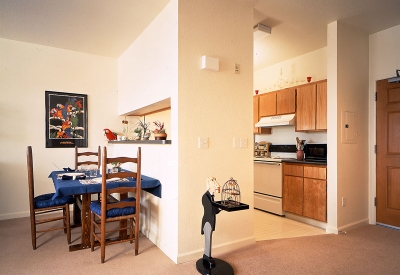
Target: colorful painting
66, 120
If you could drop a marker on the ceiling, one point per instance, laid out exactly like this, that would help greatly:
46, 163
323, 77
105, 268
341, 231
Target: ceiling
107, 28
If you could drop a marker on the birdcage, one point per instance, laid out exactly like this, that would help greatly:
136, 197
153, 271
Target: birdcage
230, 194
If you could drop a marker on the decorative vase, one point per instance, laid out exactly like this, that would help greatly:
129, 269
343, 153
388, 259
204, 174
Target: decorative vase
160, 136
300, 155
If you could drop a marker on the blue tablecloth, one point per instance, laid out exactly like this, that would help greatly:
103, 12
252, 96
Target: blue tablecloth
74, 187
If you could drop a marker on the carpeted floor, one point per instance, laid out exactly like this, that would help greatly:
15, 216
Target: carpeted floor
365, 250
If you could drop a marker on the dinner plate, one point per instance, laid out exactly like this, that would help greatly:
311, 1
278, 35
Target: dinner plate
71, 174
109, 180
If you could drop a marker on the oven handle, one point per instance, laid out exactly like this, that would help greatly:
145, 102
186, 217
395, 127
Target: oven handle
268, 163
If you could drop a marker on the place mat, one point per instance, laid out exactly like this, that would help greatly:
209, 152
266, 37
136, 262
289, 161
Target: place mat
98, 180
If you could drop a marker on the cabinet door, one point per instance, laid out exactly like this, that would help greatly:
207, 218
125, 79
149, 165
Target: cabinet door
292, 196
256, 118
286, 101
306, 108
321, 115
315, 199
267, 104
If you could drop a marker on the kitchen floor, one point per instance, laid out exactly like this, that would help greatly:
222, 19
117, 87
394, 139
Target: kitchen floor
268, 226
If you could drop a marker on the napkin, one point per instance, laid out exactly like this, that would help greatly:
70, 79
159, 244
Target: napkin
71, 176
69, 169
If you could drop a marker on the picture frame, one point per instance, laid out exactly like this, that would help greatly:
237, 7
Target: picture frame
66, 120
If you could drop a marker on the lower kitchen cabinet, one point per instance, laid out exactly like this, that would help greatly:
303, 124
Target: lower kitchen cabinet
304, 190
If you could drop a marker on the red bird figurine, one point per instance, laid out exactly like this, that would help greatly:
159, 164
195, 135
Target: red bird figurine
110, 135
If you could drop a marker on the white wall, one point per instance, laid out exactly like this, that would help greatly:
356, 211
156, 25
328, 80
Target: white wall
217, 105
384, 59
292, 72
147, 73
27, 71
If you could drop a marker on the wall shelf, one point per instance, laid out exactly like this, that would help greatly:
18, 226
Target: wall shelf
140, 141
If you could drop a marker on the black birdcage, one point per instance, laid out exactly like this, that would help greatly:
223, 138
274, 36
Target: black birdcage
230, 194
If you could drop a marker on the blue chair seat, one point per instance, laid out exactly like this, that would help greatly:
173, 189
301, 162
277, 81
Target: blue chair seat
46, 200
96, 208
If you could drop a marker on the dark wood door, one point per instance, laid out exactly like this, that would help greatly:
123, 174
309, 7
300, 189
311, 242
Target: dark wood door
388, 153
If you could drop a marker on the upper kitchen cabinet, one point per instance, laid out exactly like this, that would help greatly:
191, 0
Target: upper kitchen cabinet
267, 104
286, 101
311, 112
256, 117
278, 103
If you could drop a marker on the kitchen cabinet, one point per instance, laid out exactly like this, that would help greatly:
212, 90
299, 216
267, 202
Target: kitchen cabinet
278, 103
267, 104
304, 190
311, 109
256, 118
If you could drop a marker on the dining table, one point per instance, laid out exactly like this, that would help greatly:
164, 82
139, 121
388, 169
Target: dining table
66, 184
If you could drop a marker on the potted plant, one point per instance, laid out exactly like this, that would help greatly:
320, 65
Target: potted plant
159, 132
137, 133
115, 167
145, 128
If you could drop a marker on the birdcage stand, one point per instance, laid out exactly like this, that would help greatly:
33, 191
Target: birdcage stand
221, 267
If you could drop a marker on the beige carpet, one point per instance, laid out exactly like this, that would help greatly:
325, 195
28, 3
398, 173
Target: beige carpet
365, 250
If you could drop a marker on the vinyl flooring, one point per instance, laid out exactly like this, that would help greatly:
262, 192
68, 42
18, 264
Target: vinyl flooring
268, 226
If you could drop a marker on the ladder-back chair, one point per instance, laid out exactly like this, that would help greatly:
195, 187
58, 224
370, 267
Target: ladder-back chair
44, 204
126, 210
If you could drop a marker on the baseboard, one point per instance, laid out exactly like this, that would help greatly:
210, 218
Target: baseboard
16, 215
217, 249
306, 220
353, 225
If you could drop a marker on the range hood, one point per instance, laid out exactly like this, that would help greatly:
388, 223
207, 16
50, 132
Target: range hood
272, 121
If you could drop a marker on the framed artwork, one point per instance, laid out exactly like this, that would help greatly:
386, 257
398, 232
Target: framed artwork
66, 120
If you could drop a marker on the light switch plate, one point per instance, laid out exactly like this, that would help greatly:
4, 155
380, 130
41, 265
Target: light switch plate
243, 142
202, 143
236, 142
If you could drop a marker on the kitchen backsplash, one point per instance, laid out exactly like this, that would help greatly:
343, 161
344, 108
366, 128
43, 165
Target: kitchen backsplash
287, 135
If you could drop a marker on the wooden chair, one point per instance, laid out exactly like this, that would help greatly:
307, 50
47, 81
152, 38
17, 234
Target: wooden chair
44, 204
127, 210
81, 158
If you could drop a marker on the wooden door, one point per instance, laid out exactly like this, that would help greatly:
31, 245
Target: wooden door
321, 115
286, 101
306, 108
267, 105
388, 153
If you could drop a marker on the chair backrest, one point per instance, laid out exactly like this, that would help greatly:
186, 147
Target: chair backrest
31, 185
122, 174
81, 158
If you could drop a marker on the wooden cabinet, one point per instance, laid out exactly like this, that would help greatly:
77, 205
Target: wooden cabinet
278, 103
304, 190
286, 101
256, 118
267, 105
311, 111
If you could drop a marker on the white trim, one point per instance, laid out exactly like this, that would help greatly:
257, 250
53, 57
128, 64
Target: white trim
217, 249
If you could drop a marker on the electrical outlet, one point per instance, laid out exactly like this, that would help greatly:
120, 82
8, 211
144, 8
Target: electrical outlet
202, 143
343, 201
236, 68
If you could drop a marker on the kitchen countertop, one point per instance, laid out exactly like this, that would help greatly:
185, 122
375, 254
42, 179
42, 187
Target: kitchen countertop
303, 161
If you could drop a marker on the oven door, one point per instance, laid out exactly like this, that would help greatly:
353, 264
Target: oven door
268, 178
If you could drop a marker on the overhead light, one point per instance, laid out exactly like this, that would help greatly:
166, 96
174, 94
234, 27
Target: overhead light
396, 78
260, 31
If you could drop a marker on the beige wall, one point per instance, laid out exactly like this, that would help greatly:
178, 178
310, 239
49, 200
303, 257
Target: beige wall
347, 92
217, 105
352, 95
27, 71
